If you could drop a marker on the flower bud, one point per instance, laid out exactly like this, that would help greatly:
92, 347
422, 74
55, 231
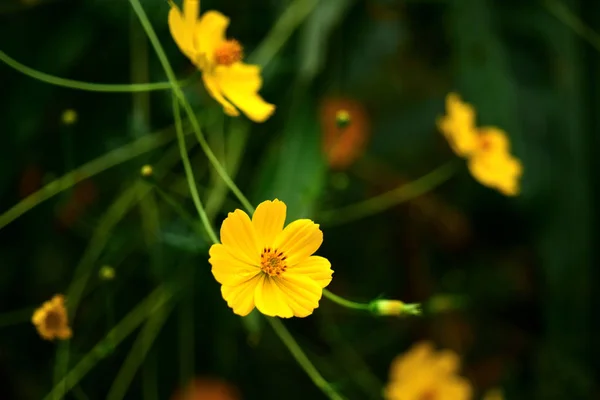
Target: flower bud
147, 171
107, 273
394, 308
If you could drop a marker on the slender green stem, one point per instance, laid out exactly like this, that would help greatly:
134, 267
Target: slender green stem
570, 19
189, 173
94, 167
157, 299
345, 303
139, 10
303, 360
389, 199
88, 86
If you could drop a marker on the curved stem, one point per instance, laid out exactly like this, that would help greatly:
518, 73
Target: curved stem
139, 10
189, 173
345, 303
303, 360
386, 200
89, 86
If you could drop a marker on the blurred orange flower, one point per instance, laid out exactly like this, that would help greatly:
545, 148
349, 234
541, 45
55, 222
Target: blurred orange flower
345, 127
423, 374
51, 319
486, 149
204, 388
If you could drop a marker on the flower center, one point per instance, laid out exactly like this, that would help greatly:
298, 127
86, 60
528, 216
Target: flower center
229, 52
485, 144
272, 262
53, 320
428, 394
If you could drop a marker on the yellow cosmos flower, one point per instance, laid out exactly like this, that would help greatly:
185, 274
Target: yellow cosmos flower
260, 264
226, 78
51, 319
487, 149
423, 374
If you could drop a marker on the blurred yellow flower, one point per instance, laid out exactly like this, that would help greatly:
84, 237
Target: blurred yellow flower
260, 264
226, 78
423, 374
51, 319
486, 149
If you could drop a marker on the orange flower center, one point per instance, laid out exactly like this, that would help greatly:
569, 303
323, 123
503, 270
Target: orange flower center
485, 143
429, 394
53, 320
272, 262
229, 52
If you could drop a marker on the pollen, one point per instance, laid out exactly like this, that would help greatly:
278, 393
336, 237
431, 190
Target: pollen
272, 262
229, 52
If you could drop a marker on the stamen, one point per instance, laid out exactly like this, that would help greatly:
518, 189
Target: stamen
229, 52
272, 262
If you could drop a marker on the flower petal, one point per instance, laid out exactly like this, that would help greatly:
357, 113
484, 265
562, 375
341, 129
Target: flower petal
301, 293
268, 220
181, 32
239, 235
210, 33
458, 125
315, 267
500, 173
241, 297
227, 269
270, 300
240, 83
212, 87
299, 240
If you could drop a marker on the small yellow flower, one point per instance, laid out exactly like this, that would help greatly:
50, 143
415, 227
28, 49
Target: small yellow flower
423, 374
493, 165
228, 80
260, 264
487, 149
69, 117
51, 319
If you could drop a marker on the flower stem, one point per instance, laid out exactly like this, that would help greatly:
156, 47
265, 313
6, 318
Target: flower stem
88, 86
345, 303
303, 360
189, 173
139, 10
386, 200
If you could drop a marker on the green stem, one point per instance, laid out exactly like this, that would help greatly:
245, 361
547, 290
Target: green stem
345, 303
89, 86
139, 10
389, 199
303, 360
567, 17
94, 167
189, 173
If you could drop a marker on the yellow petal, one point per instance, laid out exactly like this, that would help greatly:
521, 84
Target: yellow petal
64, 333
240, 83
498, 172
239, 235
446, 362
299, 240
301, 293
458, 125
496, 140
214, 90
210, 33
457, 389
181, 32
270, 300
315, 267
229, 270
241, 297
268, 220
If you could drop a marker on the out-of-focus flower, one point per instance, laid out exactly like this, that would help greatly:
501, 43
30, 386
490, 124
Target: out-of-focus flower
345, 127
146, 171
51, 319
424, 374
204, 388
260, 264
69, 117
107, 273
228, 80
487, 149
493, 394
394, 308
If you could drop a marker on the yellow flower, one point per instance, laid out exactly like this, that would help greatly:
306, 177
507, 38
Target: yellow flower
458, 126
423, 374
51, 319
226, 78
260, 264
487, 149
493, 165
